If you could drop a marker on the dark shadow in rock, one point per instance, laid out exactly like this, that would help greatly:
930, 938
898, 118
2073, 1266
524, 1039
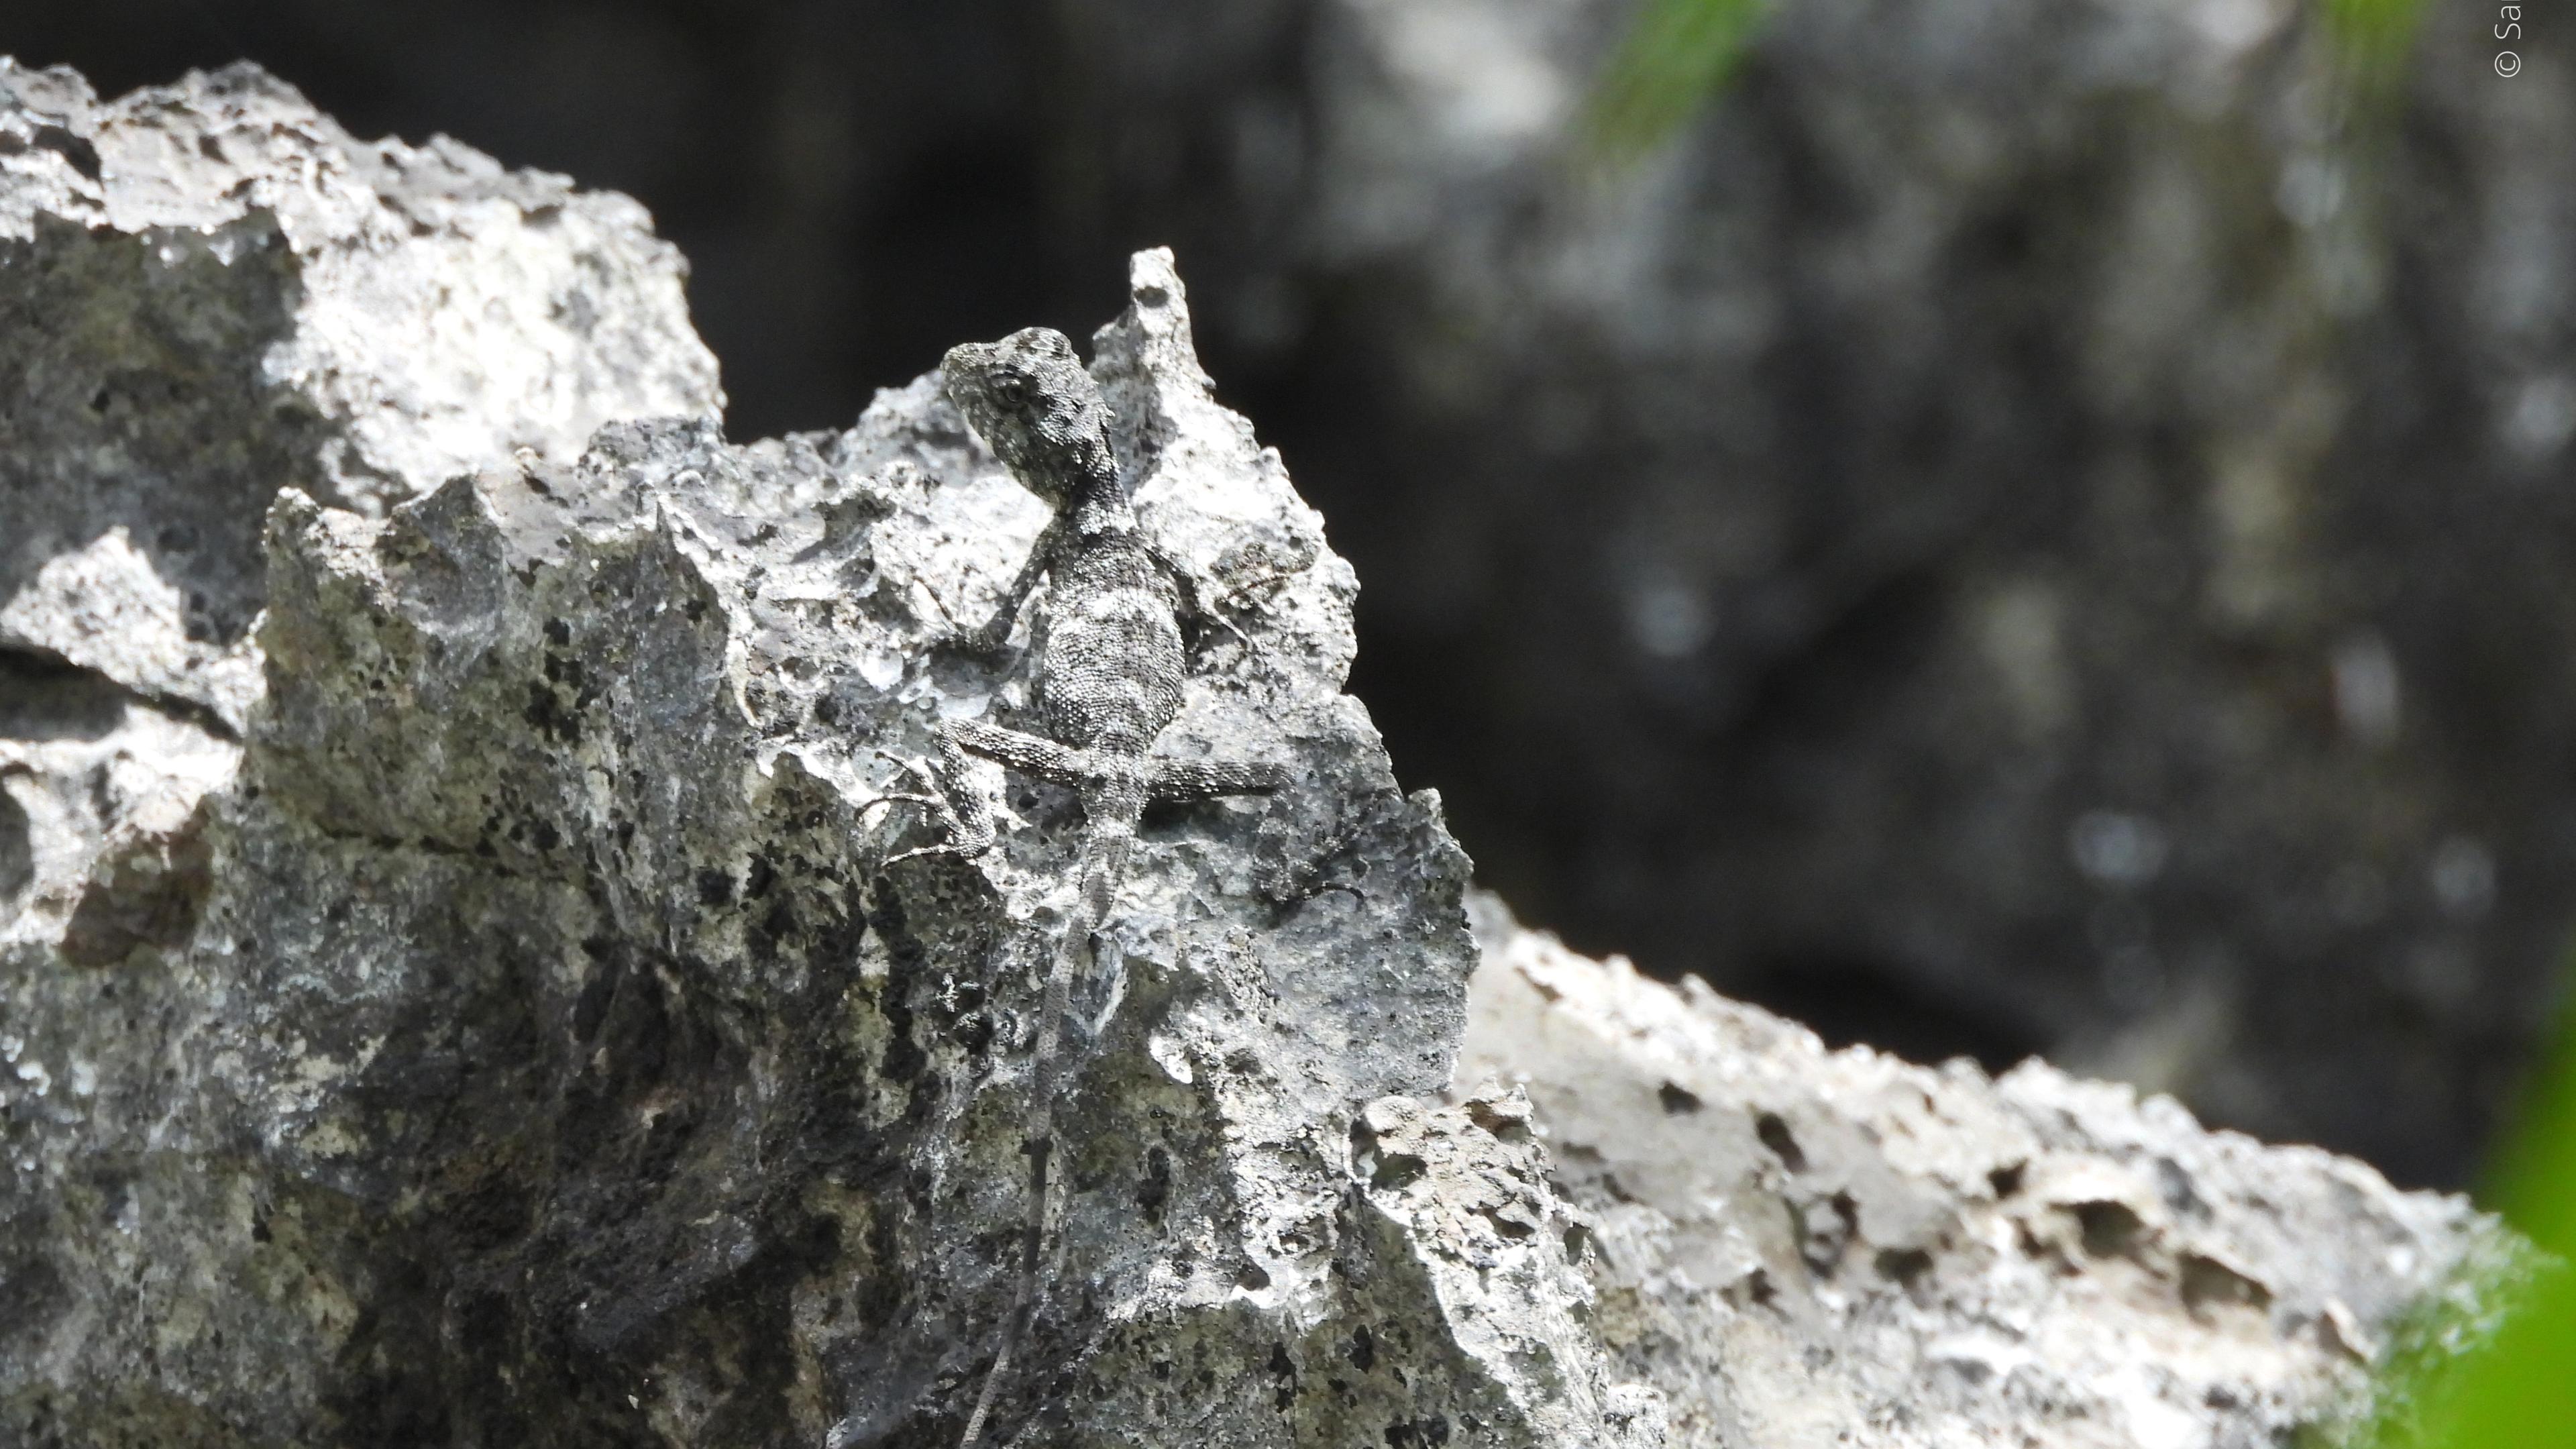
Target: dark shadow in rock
133, 368
17, 854
45, 698
150, 894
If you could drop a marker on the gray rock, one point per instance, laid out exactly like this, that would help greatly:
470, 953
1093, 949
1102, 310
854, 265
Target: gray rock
489, 1020
1804, 1248
513, 1037
211, 291
2027, 526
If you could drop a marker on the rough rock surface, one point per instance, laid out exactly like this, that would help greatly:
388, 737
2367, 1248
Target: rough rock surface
513, 1039
211, 291
487, 1021
1805, 1249
2028, 525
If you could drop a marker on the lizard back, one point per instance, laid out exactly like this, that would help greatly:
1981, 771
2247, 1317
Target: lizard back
1109, 670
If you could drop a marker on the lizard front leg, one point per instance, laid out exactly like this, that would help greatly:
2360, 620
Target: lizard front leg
949, 791
1167, 781
950, 794
987, 641
993, 635
1029, 754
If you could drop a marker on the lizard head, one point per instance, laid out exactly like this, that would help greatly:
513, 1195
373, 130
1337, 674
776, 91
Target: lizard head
1032, 401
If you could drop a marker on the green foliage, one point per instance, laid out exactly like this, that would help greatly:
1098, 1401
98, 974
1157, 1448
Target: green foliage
2373, 36
1678, 53
2454, 1365
1675, 57
2521, 1390
2535, 1184
2473, 1378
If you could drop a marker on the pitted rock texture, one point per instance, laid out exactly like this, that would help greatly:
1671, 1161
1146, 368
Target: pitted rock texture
2026, 526
1807, 1249
210, 291
489, 1021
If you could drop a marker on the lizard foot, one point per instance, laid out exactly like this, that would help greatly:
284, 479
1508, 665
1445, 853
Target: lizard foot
964, 840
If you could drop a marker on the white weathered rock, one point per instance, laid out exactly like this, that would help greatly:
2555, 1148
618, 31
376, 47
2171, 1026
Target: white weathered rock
1811, 1248
214, 291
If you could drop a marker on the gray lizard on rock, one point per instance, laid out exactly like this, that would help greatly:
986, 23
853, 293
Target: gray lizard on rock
1109, 669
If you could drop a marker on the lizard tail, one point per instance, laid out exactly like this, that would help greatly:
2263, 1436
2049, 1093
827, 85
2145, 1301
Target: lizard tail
1105, 850
1024, 1302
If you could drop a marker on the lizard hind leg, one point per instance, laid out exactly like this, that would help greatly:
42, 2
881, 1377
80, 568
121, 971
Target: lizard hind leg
1026, 753
952, 798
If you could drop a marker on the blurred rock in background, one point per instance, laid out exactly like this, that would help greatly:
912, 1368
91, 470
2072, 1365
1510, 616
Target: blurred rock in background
2018, 527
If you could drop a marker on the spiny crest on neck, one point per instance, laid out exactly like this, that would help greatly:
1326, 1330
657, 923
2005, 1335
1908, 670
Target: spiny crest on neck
1030, 398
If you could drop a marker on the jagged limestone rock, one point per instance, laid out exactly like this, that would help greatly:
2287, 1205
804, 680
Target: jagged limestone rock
209, 291
2032, 526
513, 1038
487, 1019
1807, 1249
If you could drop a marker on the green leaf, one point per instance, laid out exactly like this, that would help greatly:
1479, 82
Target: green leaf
2495, 1367
2373, 36
1676, 56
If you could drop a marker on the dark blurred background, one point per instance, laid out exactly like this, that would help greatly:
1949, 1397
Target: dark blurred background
2002, 527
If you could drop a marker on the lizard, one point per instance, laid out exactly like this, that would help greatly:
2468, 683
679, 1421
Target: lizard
1109, 669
